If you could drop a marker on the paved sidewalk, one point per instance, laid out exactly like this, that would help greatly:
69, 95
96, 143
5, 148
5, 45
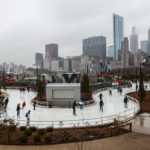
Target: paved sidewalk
130, 141
141, 124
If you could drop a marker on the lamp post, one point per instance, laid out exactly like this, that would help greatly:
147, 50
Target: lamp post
4, 86
141, 88
136, 78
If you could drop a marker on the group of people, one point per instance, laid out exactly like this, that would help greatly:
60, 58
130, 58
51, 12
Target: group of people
74, 104
28, 113
23, 89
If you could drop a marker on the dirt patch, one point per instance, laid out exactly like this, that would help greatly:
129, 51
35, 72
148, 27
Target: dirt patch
145, 104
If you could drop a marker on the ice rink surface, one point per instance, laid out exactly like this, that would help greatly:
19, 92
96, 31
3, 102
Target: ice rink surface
44, 116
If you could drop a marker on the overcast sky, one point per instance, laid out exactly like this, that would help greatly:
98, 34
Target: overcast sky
27, 25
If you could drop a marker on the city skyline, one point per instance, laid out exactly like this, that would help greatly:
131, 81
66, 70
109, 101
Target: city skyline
27, 26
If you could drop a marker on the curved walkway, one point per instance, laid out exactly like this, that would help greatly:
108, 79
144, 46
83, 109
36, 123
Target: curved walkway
130, 141
63, 117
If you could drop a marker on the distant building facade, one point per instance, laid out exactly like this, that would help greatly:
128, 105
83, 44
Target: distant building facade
68, 65
125, 53
76, 64
118, 34
51, 53
39, 60
95, 47
139, 56
111, 52
57, 65
134, 40
145, 46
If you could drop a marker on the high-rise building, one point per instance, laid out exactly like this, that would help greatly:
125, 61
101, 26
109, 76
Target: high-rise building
118, 34
76, 63
110, 52
68, 64
145, 46
51, 53
39, 60
134, 40
95, 47
149, 34
125, 53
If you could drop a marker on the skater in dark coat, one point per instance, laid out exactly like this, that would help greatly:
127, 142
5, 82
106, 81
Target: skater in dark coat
100, 96
101, 104
110, 92
18, 110
28, 117
74, 107
6, 102
34, 104
126, 102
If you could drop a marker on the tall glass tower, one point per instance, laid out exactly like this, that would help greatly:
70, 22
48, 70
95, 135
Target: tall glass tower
118, 33
134, 40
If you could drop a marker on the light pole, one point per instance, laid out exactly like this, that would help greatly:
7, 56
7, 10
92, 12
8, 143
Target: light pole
136, 78
141, 88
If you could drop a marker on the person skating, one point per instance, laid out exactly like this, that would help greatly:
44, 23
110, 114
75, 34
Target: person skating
23, 104
110, 92
101, 104
100, 96
18, 110
74, 107
126, 102
6, 102
34, 104
28, 117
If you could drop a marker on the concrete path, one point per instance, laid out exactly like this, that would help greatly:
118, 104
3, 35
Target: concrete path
130, 141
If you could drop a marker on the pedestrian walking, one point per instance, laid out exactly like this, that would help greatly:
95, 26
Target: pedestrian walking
23, 104
6, 102
100, 96
101, 103
18, 110
126, 102
28, 117
34, 104
74, 107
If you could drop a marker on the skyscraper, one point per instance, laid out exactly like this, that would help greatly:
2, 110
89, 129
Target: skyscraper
118, 34
95, 47
125, 53
145, 46
51, 53
134, 40
39, 60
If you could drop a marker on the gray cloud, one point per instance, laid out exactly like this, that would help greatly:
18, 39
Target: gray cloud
27, 25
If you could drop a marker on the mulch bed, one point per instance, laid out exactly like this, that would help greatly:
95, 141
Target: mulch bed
145, 104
